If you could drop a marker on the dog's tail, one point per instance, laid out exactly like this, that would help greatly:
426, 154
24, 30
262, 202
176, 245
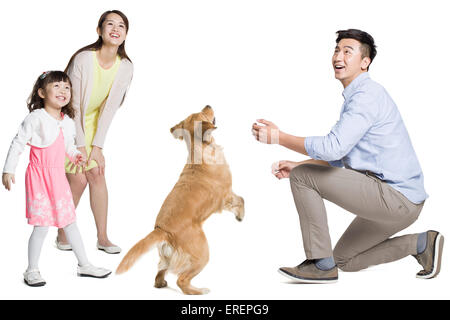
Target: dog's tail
140, 248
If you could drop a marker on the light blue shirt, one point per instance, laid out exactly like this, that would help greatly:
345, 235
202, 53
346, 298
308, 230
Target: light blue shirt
371, 136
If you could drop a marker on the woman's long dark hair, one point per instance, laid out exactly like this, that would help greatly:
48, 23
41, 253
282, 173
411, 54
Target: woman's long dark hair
97, 45
36, 102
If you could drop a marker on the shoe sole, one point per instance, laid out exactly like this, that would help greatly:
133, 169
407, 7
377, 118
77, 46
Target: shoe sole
303, 280
59, 248
63, 247
105, 250
39, 284
437, 257
84, 275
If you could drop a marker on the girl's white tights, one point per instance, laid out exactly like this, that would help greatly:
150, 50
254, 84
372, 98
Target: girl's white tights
37, 240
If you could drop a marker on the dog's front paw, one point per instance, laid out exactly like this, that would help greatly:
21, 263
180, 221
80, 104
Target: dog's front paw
240, 213
235, 204
240, 210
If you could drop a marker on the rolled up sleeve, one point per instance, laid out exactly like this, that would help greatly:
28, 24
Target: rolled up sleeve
357, 117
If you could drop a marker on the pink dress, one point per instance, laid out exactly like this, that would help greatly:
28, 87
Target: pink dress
49, 199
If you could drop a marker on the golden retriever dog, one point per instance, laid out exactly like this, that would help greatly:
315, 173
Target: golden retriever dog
204, 187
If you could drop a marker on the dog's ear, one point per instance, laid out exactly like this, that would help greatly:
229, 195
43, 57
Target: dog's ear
206, 130
178, 131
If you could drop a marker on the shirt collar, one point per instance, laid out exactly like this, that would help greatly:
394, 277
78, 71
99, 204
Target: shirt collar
47, 115
351, 88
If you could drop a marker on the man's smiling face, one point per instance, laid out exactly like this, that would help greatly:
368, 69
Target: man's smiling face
348, 61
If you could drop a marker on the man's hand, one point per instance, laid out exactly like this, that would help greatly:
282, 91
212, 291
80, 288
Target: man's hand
6, 180
269, 133
282, 169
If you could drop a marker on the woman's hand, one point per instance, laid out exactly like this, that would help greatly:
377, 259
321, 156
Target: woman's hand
6, 180
97, 155
282, 169
269, 133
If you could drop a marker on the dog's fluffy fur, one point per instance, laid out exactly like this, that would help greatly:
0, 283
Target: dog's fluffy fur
204, 187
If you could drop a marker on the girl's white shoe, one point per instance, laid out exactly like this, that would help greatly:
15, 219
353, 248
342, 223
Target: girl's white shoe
92, 271
33, 278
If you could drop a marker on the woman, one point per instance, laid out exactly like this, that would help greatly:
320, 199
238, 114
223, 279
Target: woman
101, 74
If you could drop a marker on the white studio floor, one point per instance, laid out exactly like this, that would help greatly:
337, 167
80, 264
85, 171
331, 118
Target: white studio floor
241, 267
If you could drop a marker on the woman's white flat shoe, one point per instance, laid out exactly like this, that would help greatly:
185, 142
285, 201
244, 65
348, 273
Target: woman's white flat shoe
92, 271
110, 250
63, 246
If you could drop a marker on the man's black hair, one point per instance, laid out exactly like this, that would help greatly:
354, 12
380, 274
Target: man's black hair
368, 47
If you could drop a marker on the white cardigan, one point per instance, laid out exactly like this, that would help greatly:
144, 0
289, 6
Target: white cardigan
40, 129
81, 73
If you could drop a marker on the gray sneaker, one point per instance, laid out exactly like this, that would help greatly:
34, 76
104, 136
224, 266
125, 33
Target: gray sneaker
430, 258
307, 272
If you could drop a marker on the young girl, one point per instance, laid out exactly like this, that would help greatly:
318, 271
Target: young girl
50, 132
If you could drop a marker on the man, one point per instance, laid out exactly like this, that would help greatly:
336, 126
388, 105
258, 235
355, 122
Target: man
382, 183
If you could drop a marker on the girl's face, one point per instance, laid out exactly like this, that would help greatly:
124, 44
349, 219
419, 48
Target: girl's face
113, 31
56, 95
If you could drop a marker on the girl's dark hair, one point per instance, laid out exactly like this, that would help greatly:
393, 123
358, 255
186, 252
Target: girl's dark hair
98, 44
368, 47
36, 102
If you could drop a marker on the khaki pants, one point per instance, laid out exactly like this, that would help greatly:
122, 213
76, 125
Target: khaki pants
381, 212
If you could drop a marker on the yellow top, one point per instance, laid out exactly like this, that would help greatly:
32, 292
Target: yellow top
103, 80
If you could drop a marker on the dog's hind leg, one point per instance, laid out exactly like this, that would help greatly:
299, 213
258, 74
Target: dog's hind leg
196, 256
184, 281
165, 253
159, 280
235, 204
163, 266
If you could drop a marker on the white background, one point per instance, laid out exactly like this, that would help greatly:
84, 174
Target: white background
248, 60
